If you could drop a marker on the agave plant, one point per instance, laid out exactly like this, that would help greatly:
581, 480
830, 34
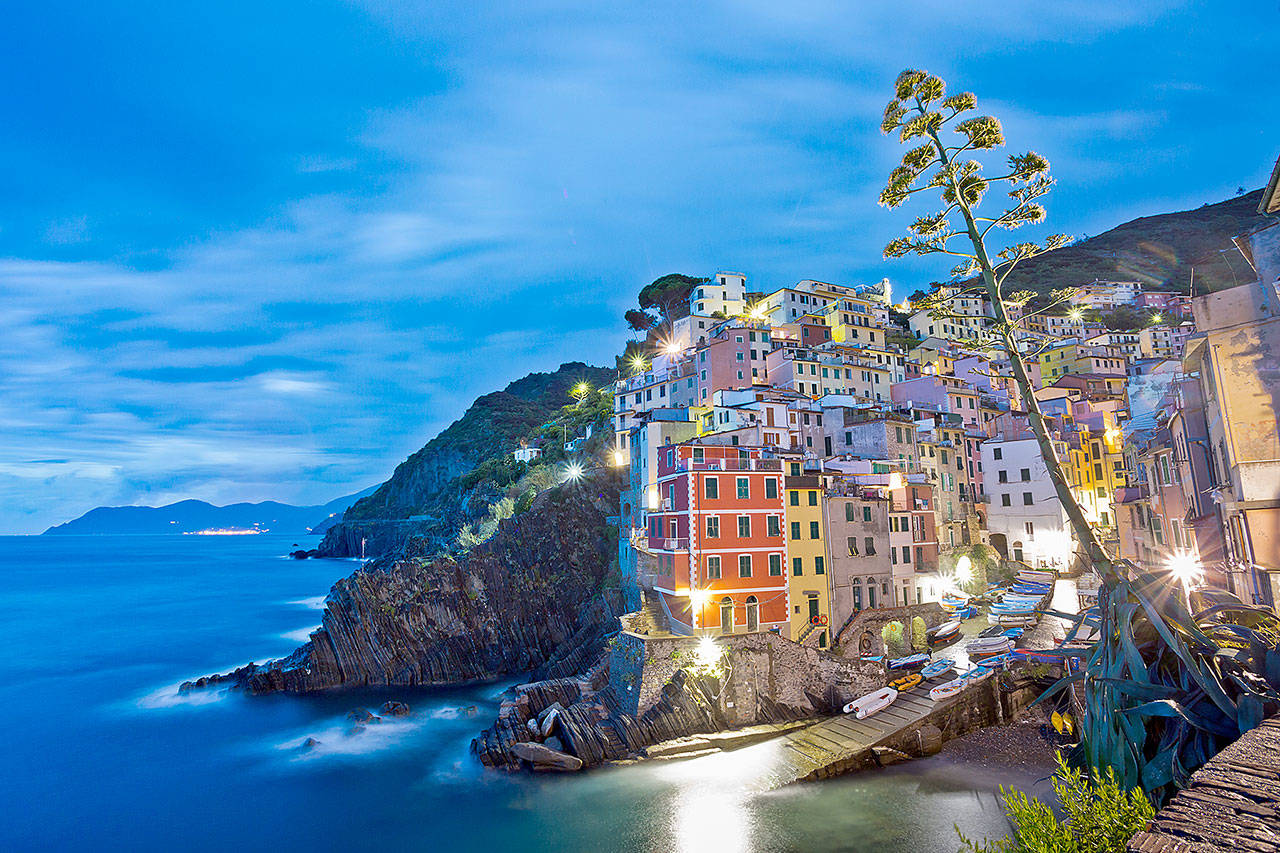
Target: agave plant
1171, 680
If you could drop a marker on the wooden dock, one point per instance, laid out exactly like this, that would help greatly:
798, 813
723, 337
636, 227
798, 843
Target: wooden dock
840, 744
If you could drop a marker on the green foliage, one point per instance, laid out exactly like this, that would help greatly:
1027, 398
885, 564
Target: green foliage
919, 637
1099, 816
670, 295
894, 641
1164, 690
640, 321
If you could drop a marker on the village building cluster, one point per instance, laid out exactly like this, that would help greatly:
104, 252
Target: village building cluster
797, 456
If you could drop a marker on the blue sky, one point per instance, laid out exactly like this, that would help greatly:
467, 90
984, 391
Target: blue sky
266, 250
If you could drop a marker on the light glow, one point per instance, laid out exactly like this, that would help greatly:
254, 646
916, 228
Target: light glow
699, 598
1185, 568
572, 472
964, 569
581, 390
708, 652
619, 458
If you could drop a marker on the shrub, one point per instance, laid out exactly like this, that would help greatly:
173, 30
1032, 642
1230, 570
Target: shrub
919, 639
1098, 817
892, 635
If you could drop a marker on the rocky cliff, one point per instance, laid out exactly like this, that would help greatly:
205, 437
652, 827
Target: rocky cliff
433, 485
540, 595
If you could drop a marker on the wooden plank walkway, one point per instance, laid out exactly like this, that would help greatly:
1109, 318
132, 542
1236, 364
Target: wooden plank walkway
831, 743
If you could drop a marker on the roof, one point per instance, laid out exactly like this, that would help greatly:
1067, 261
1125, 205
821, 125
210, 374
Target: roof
1270, 202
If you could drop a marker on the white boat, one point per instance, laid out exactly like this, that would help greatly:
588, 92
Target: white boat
938, 667
1036, 576
989, 646
944, 629
871, 703
947, 689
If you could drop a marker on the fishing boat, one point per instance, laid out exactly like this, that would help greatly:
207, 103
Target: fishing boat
943, 633
977, 675
906, 682
993, 631
909, 662
1036, 576
871, 703
985, 646
937, 668
947, 689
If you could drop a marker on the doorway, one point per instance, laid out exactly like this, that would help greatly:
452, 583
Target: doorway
726, 615
753, 614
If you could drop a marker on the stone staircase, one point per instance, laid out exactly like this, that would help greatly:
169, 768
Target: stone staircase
649, 620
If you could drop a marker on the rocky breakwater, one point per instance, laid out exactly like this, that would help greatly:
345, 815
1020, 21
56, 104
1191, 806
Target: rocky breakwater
533, 597
647, 692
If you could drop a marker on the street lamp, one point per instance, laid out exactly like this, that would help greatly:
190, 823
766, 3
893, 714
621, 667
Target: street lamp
580, 390
638, 363
572, 472
1186, 569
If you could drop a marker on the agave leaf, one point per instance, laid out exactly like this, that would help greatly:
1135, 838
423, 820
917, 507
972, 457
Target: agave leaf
1214, 724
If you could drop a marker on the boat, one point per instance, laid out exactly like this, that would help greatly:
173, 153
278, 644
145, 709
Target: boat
909, 662
938, 667
944, 634
871, 703
988, 646
1036, 576
993, 631
947, 689
977, 675
906, 682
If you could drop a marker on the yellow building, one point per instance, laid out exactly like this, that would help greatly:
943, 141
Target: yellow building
807, 562
1056, 362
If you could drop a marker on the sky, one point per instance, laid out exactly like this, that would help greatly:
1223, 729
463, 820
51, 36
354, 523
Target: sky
266, 250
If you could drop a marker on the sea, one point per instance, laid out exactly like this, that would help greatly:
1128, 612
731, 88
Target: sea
101, 751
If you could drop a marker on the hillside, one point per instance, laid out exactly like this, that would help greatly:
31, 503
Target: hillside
1157, 250
192, 516
440, 485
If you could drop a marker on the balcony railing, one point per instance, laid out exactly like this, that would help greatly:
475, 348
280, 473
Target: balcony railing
729, 465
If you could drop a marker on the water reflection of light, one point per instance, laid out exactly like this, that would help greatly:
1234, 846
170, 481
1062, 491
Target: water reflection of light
712, 808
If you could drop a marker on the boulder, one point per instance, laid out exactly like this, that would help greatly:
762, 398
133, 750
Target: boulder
554, 743
886, 756
930, 737
544, 757
549, 722
394, 709
308, 744
534, 731
362, 716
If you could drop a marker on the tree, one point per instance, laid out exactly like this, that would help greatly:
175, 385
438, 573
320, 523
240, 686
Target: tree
640, 321
921, 110
670, 295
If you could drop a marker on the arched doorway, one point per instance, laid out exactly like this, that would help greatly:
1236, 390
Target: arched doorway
753, 613
726, 615
1001, 544
1017, 552
857, 594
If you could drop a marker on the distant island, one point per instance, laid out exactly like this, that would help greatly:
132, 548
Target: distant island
200, 517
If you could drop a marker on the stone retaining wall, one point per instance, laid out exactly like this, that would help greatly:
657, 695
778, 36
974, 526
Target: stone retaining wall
869, 622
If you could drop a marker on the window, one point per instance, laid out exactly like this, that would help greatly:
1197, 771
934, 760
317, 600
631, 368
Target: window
744, 488
699, 454
869, 546
849, 513
906, 554
797, 566
713, 568
1002, 476
744, 527
771, 489
866, 513
813, 498
795, 530
744, 565
813, 530
1004, 500
1031, 529
818, 567
775, 565
713, 527
1026, 475
1026, 499
712, 488
853, 546
997, 453
794, 497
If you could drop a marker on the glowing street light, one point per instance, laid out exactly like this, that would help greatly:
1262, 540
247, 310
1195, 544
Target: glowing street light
619, 458
1157, 318
1185, 568
638, 363
572, 472
1076, 314
708, 652
671, 348
964, 569
580, 390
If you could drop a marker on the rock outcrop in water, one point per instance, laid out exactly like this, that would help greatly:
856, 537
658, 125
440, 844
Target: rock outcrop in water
535, 597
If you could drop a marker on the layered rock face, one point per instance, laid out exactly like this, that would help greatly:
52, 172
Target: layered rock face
531, 598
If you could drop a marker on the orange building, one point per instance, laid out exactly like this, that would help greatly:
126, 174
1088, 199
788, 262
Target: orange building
718, 539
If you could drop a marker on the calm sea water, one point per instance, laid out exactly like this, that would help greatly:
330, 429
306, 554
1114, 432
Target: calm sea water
100, 752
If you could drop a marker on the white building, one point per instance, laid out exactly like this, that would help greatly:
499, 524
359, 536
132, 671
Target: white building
726, 292
1024, 516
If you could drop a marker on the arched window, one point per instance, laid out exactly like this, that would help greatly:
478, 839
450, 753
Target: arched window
753, 613
726, 615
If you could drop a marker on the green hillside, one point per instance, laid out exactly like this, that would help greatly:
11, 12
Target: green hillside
1160, 251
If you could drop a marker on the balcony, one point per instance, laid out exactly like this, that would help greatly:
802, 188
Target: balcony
729, 465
